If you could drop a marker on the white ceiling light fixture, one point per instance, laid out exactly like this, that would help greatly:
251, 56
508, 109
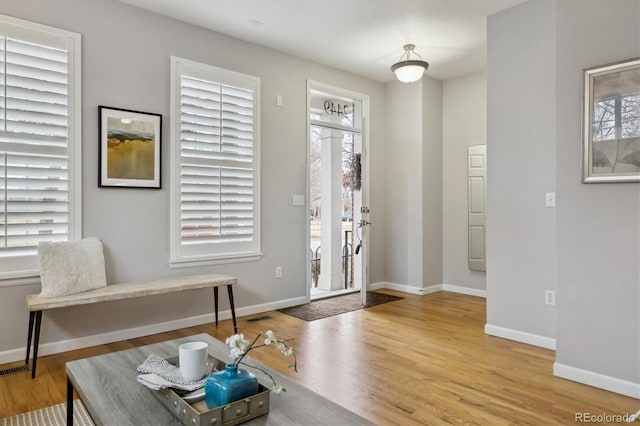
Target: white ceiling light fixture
408, 70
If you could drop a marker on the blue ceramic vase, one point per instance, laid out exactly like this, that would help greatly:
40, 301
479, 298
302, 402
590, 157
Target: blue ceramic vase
223, 387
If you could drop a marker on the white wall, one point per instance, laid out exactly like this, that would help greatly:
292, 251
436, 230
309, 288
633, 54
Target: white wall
464, 113
598, 236
125, 64
521, 120
588, 248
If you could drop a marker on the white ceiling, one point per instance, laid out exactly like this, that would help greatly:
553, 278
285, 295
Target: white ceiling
360, 36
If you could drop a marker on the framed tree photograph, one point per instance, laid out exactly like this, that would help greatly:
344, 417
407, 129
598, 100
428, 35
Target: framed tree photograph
611, 123
130, 147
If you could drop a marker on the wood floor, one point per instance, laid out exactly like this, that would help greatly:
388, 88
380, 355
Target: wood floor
423, 360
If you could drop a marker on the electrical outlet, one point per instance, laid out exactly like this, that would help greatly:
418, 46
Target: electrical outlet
278, 271
550, 297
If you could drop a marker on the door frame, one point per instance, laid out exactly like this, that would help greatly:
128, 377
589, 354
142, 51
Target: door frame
339, 91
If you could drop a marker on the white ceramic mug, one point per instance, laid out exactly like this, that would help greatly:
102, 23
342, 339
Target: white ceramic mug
193, 360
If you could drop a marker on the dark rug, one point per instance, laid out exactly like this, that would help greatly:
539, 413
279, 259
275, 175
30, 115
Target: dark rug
324, 308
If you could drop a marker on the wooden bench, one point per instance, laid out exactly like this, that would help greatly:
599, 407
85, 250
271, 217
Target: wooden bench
37, 304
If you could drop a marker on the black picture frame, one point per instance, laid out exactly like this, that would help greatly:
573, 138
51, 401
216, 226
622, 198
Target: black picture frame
130, 150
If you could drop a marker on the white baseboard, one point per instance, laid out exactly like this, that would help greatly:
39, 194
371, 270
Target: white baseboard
465, 290
405, 288
428, 290
377, 286
520, 336
598, 380
130, 333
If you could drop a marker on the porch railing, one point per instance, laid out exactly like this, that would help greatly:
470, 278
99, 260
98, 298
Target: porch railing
347, 262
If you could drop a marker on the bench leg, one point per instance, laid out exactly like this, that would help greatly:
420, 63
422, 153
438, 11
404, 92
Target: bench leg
69, 402
32, 316
36, 341
215, 302
233, 309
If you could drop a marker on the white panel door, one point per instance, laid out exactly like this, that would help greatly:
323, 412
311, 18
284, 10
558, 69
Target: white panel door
477, 172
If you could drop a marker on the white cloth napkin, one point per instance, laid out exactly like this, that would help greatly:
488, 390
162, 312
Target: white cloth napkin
158, 373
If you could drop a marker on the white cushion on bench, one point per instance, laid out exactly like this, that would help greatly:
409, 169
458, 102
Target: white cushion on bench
71, 267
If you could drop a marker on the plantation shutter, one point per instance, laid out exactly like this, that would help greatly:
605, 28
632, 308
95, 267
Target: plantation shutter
35, 133
218, 193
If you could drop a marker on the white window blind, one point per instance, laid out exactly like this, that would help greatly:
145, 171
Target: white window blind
39, 118
216, 193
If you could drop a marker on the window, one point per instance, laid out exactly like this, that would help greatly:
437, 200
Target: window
617, 117
39, 153
215, 191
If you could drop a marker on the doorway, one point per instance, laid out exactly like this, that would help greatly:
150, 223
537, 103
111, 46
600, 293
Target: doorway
336, 192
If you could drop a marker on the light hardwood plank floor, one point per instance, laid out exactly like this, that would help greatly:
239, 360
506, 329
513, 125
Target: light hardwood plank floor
423, 360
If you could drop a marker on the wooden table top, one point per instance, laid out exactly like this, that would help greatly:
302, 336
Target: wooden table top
108, 388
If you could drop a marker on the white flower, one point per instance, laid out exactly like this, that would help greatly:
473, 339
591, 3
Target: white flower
232, 341
278, 388
238, 344
236, 353
241, 346
271, 338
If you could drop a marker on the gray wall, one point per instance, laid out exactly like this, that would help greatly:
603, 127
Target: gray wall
413, 209
464, 113
598, 235
590, 244
431, 181
521, 125
126, 64
403, 206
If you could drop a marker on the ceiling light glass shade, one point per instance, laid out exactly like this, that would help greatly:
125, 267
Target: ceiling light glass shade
409, 70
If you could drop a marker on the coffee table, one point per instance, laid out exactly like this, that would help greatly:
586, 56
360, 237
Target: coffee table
108, 388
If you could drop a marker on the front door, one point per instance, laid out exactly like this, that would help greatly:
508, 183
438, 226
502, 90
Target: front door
336, 192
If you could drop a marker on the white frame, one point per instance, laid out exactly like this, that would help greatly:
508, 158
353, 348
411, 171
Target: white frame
25, 268
364, 132
180, 258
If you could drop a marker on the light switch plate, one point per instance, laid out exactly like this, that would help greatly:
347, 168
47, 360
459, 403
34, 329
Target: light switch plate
298, 200
550, 199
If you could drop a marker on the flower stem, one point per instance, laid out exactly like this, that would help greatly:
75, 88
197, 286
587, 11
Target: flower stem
237, 361
265, 372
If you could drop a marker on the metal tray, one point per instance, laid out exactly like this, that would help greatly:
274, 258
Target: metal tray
198, 414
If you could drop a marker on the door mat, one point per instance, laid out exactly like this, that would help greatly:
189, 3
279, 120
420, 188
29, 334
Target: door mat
56, 415
324, 308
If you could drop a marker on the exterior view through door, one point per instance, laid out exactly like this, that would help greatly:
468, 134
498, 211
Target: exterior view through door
335, 193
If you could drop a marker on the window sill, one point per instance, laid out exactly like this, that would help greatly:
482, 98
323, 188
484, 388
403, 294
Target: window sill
191, 262
19, 278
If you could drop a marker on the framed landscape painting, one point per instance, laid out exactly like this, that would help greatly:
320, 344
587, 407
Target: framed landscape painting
129, 154
611, 123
